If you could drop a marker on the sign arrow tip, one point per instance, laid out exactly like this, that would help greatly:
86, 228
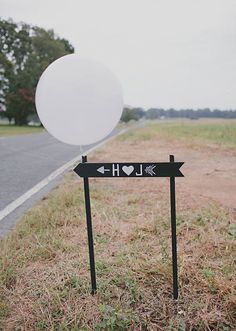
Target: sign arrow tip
101, 170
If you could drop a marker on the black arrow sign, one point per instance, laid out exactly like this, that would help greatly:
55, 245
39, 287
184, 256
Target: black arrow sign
161, 169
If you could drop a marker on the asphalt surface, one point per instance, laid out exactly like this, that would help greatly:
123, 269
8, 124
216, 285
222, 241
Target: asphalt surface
24, 162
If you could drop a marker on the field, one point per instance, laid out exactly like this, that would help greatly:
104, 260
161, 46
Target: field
14, 130
218, 132
44, 279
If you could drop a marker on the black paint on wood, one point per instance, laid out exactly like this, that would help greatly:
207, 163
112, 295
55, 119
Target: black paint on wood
173, 234
116, 169
90, 231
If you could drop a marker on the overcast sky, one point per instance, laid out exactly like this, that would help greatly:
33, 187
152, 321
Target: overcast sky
166, 53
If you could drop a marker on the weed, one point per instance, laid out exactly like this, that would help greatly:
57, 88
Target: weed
74, 282
8, 277
232, 230
114, 319
102, 238
133, 289
164, 250
103, 268
42, 325
4, 309
209, 276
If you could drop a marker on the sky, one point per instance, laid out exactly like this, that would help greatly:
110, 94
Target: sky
166, 53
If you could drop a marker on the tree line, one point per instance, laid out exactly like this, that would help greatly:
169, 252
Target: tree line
25, 52
160, 113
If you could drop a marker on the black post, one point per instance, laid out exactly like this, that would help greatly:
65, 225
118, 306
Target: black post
90, 231
173, 233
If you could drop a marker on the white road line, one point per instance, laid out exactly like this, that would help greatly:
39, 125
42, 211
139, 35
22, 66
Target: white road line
19, 201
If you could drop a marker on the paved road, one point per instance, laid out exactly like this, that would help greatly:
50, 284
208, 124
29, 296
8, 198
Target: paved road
24, 162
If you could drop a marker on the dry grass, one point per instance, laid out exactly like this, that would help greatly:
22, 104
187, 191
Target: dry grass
44, 262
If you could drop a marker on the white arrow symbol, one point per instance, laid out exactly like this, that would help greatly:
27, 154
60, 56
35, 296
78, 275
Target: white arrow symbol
102, 170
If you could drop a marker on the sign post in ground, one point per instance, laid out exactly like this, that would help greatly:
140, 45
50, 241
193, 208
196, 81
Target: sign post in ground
173, 233
89, 230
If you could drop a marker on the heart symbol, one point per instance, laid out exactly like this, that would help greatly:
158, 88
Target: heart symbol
128, 169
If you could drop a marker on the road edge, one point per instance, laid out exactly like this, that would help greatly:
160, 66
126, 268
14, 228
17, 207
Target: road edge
35, 189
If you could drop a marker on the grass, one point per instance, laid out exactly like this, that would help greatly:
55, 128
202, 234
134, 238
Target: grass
14, 130
45, 281
221, 133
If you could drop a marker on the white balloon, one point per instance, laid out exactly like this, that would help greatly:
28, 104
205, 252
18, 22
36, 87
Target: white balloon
78, 100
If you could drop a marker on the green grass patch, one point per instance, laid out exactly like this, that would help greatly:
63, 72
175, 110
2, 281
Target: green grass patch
222, 134
14, 130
